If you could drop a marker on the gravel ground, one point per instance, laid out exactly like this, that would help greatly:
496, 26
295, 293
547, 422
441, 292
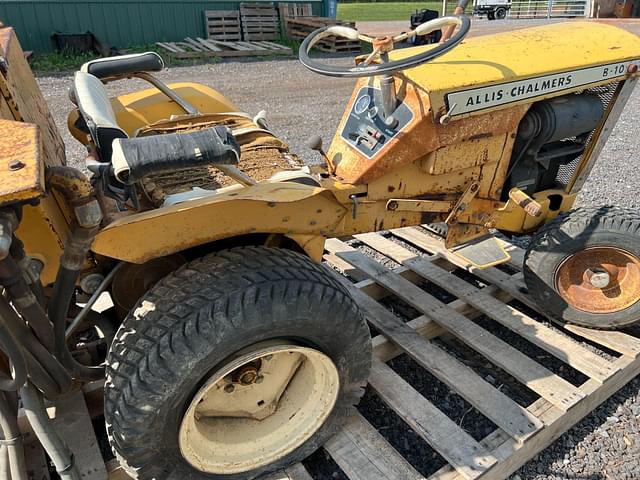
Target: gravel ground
299, 104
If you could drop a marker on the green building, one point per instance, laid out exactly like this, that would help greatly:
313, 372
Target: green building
119, 23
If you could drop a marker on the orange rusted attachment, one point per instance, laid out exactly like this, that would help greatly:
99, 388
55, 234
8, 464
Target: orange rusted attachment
529, 205
383, 44
600, 280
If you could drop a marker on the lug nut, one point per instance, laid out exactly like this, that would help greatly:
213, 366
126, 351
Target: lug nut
229, 388
598, 277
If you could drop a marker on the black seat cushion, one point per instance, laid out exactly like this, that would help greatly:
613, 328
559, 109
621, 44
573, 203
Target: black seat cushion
135, 158
124, 64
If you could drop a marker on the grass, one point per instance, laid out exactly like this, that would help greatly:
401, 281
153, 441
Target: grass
58, 62
358, 12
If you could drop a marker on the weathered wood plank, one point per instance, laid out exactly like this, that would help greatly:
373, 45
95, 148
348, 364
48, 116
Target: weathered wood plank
551, 341
499, 408
532, 374
73, 424
512, 456
466, 455
363, 454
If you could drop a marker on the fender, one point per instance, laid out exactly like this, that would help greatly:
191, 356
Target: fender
282, 208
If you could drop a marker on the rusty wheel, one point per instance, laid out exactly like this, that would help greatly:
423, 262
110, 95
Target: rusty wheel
600, 280
584, 268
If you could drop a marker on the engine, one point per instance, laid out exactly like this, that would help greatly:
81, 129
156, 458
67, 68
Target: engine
551, 135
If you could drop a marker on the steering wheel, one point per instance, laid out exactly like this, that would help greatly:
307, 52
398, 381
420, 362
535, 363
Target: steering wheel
381, 48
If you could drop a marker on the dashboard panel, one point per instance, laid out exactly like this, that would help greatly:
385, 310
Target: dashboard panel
366, 129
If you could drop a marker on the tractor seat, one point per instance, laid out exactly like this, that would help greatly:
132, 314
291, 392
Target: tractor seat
124, 64
93, 102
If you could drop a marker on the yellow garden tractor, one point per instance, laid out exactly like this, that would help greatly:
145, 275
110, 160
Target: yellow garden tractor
230, 351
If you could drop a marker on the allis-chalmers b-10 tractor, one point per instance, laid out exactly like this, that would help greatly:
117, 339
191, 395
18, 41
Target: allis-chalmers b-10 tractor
231, 351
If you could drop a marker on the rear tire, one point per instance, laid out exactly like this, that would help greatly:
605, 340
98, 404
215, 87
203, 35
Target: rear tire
500, 13
563, 256
204, 316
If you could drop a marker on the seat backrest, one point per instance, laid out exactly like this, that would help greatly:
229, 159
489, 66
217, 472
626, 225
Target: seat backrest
95, 107
124, 64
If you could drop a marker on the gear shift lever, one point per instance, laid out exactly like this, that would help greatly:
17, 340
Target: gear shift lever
315, 143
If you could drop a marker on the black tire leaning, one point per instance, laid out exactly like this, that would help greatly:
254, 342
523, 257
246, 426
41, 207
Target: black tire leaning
570, 233
201, 314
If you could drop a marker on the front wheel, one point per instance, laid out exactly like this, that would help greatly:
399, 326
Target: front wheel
237, 364
501, 13
584, 267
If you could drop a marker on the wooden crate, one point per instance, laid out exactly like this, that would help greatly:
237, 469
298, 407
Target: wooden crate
259, 21
293, 10
522, 432
299, 28
223, 25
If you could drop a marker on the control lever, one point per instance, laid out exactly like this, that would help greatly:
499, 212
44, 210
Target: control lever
389, 99
315, 143
523, 200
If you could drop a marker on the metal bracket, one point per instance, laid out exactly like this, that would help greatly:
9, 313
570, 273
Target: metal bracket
463, 202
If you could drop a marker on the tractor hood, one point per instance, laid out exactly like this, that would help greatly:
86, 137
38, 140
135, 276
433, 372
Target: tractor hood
496, 71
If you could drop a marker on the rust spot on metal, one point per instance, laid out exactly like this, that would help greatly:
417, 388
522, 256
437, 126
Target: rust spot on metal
479, 136
633, 68
600, 280
391, 188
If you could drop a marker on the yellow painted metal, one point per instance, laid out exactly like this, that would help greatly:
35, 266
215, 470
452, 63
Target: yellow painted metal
428, 162
44, 230
521, 54
21, 165
139, 109
285, 208
512, 218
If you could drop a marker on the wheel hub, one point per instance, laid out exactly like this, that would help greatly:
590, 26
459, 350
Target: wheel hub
600, 280
258, 408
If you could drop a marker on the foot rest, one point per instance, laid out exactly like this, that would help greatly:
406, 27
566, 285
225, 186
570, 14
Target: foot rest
482, 252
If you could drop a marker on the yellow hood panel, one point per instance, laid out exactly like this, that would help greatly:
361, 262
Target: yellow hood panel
522, 54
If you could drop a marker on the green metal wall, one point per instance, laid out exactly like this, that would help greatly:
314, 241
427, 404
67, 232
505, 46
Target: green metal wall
120, 23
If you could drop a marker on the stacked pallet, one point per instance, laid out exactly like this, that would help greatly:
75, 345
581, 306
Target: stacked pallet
223, 25
203, 48
300, 27
259, 21
293, 10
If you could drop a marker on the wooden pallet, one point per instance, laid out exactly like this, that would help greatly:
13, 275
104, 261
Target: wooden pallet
204, 48
363, 453
290, 11
259, 21
298, 28
223, 25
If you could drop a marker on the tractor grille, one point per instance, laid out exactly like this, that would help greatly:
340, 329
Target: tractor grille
566, 172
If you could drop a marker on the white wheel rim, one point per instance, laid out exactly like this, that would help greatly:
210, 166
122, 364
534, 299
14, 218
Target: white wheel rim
258, 408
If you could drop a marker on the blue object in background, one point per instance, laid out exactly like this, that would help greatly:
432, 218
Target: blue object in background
332, 8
